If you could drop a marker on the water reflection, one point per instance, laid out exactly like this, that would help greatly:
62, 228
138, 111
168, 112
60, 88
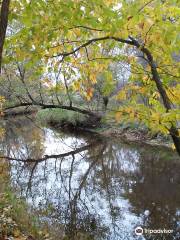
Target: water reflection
85, 186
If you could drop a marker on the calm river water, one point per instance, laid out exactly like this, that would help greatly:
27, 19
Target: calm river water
83, 185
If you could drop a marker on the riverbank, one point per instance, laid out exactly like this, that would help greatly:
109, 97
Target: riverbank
72, 121
125, 134
136, 135
17, 221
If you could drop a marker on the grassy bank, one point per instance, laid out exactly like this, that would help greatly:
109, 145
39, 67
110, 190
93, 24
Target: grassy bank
60, 116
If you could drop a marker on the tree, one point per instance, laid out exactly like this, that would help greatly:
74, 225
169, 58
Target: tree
3, 25
83, 38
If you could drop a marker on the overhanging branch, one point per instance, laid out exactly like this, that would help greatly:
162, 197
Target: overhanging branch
45, 106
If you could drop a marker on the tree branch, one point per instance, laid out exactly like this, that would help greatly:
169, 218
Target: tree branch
45, 106
65, 54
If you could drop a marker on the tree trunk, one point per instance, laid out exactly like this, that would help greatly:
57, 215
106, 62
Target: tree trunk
166, 102
173, 130
176, 138
3, 25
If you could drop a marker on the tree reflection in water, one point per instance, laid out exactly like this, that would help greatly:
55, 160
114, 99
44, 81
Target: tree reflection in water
93, 186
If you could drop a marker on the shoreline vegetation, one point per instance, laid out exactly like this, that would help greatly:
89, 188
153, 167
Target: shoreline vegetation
17, 221
65, 120
130, 132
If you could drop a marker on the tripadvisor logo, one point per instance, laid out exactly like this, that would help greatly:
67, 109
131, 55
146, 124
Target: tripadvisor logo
140, 231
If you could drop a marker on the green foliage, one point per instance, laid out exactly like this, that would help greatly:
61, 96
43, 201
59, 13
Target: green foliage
60, 115
80, 39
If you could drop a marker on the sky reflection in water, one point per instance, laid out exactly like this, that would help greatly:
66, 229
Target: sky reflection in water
105, 190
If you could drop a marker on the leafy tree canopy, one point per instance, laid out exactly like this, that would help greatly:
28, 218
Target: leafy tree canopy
81, 38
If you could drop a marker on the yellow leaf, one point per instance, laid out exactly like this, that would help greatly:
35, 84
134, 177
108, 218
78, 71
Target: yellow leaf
121, 96
89, 94
93, 78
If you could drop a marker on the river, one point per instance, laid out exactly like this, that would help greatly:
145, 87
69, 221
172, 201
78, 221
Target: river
84, 185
